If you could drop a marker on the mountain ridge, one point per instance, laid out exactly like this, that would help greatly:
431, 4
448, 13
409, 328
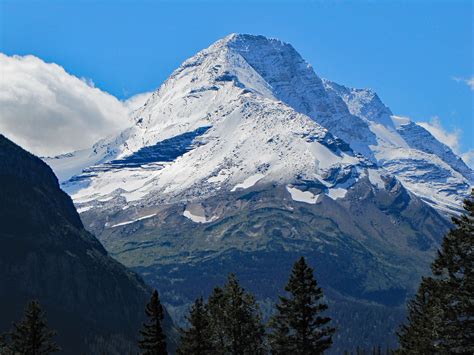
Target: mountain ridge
274, 74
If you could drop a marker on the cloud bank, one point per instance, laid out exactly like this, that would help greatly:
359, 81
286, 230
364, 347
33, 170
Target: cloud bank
48, 111
451, 138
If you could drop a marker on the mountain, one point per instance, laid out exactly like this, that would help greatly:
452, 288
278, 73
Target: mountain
241, 76
408, 151
94, 302
243, 160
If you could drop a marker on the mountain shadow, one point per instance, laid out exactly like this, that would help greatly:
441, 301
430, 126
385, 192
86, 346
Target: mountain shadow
93, 301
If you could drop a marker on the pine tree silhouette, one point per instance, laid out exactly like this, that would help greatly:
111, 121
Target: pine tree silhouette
153, 341
217, 314
3, 342
297, 327
236, 323
4, 348
441, 316
196, 339
31, 335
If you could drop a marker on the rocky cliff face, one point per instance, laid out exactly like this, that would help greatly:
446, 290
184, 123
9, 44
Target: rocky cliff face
94, 302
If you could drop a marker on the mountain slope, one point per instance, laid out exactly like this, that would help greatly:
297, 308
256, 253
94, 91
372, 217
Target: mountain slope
369, 248
406, 150
94, 302
243, 160
250, 76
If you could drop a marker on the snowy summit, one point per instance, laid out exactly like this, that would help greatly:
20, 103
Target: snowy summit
250, 110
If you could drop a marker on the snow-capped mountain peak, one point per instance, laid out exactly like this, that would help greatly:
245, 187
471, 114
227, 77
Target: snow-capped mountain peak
251, 109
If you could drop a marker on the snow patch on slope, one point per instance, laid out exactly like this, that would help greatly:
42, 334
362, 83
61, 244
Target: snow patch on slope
375, 178
197, 214
132, 221
222, 176
198, 219
248, 182
337, 192
302, 196
84, 209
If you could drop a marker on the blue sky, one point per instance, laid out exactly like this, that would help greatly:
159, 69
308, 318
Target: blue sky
408, 51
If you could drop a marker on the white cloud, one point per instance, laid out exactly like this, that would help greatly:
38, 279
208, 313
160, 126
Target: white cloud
468, 81
468, 158
451, 138
136, 101
48, 111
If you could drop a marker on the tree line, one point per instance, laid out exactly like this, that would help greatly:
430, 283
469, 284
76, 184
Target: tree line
230, 322
440, 317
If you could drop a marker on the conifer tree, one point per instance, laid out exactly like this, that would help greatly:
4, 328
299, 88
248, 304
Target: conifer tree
196, 339
3, 341
216, 307
298, 327
31, 335
441, 316
424, 312
236, 322
4, 349
153, 340
376, 350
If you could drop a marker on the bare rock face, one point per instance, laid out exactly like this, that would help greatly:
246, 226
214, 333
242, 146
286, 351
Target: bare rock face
93, 301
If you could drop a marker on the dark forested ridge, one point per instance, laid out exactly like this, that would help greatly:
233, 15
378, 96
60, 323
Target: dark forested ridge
93, 301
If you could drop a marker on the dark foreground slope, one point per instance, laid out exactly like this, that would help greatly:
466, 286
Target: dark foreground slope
94, 302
